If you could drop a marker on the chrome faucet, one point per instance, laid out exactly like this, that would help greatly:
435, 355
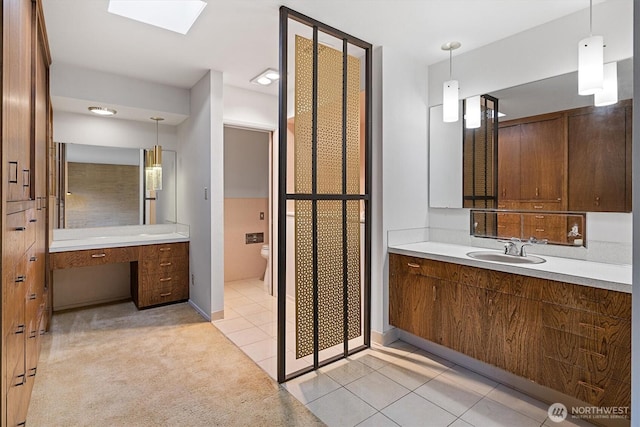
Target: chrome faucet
511, 245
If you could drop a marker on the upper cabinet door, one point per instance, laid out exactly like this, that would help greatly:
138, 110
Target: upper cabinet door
509, 163
542, 160
16, 98
598, 182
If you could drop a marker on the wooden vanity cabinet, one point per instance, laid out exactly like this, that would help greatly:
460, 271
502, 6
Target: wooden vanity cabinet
161, 274
571, 338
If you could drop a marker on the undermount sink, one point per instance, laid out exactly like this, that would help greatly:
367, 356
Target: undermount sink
500, 257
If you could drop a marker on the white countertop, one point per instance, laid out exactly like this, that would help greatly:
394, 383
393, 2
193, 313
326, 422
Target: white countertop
596, 274
112, 237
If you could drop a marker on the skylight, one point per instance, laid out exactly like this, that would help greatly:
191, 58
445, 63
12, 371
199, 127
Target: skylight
173, 15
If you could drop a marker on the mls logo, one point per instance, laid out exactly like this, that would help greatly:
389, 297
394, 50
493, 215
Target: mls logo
557, 412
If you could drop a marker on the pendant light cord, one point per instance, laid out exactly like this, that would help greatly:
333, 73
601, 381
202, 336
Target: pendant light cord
590, 18
451, 62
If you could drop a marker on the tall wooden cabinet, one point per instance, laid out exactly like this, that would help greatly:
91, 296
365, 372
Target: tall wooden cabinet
600, 182
25, 124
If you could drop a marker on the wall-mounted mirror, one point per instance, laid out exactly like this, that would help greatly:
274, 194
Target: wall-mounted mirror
536, 99
105, 186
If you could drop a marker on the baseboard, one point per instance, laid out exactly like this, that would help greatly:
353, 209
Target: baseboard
384, 338
201, 311
91, 303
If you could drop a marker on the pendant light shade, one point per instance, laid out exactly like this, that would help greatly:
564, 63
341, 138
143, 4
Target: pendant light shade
450, 89
590, 65
153, 163
472, 113
609, 93
450, 101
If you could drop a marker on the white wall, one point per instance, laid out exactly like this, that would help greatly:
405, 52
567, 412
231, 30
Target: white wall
635, 315
246, 163
402, 114
110, 131
70, 82
199, 137
245, 108
544, 51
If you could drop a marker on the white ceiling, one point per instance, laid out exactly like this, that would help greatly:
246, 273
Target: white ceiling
240, 37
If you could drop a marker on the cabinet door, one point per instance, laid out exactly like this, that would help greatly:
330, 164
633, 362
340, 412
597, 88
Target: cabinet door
445, 313
542, 157
523, 329
407, 299
598, 182
509, 163
472, 318
17, 91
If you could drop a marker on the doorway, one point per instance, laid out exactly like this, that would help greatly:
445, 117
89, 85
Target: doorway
247, 216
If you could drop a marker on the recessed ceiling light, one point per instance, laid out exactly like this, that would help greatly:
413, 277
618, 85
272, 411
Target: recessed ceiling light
266, 77
172, 15
103, 111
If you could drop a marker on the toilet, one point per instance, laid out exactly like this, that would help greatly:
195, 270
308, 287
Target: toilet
264, 252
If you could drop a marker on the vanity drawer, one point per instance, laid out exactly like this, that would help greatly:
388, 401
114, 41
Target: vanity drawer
161, 290
165, 251
540, 206
91, 257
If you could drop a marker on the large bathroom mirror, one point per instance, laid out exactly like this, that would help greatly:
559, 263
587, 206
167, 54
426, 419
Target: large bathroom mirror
99, 186
538, 98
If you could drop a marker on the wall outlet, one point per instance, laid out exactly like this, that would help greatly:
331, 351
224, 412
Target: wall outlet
193, 279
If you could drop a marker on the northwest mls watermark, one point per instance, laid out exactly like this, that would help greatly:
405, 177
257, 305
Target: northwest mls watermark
558, 412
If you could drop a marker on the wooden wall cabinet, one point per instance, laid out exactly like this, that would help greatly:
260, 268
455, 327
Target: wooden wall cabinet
576, 160
600, 183
26, 132
584, 333
531, 159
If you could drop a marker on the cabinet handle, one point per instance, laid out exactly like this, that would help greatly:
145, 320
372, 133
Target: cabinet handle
21, 424
412, 265
590, 386
504, 192
538, 206
32, 372
20, 329
539, 229
588, 325
166, 279
33, 220
22, 378
537, 192
33, 334
165, 264
584, 350
20, 279
98, 255
597, 201
32, 297
539, 216
26, 178
164, 249
20, 228
33, 258
13, 172
434, 292
166, 294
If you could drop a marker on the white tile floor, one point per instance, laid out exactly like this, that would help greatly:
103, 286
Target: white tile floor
381, 386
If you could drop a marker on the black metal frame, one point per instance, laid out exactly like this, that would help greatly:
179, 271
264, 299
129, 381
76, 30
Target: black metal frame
314, 197
473, 197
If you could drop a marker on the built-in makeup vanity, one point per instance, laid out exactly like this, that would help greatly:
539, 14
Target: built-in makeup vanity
158, 258
564, 324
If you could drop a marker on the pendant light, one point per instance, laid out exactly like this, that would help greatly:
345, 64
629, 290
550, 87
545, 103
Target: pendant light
450, 89
609, 93
153, 162
590, 60
472, 112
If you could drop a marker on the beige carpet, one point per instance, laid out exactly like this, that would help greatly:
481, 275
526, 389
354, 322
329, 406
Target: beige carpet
117, 366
